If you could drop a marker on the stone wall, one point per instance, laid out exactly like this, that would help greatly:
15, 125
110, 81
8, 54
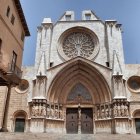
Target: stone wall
3, 94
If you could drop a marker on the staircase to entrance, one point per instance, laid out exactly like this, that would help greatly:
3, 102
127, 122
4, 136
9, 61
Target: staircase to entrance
48, 136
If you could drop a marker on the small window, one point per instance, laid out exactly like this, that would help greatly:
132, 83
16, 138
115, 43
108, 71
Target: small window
107, 64
8, 11
51, 64
88, 16
12, 19
22, 87
14, 59
22, 36
68, 17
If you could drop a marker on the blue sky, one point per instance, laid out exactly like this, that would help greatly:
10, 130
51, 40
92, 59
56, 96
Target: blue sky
126, 12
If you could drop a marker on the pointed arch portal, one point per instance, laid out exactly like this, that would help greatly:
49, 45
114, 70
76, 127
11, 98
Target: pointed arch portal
79, 71
78, 87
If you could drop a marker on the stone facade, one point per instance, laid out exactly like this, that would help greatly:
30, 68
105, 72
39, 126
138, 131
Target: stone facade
13, 29
80, 82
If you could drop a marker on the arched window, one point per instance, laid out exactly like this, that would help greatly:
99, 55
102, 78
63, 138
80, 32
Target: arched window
79, 92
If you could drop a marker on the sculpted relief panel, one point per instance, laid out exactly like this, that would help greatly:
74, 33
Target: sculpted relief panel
119, 108
50, 111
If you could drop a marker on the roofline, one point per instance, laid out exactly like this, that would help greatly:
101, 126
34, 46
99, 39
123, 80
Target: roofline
22, 17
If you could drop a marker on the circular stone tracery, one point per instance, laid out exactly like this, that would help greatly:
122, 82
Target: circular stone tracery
78, 44
22, 87
134, 83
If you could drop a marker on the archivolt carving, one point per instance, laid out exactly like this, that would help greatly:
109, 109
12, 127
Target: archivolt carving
78, 44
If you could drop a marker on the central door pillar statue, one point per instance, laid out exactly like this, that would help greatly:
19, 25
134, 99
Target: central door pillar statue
79, 119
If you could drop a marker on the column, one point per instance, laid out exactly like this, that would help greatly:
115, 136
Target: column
6, 108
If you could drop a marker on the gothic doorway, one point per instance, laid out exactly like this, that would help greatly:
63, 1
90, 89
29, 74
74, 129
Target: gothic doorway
19, 124
137, 123
79, 120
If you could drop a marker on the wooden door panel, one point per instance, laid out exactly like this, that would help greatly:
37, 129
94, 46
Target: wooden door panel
86, 120
19, 125
72, 120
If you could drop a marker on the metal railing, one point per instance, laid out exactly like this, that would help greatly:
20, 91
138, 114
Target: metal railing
12, 68
2, 66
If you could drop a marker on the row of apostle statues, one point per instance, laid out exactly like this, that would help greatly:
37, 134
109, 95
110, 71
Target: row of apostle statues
112, 110
120, 110
49, 111
104, 111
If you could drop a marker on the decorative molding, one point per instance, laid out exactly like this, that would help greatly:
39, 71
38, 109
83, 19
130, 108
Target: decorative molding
78, 44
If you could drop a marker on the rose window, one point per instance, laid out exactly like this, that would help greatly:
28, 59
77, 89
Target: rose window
78, 44
134, 84
22, 87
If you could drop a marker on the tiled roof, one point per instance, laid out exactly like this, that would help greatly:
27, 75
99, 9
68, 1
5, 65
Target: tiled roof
22, 17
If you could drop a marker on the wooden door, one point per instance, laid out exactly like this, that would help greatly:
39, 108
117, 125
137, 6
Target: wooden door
72, 120
19, 125
137, 121
86, 120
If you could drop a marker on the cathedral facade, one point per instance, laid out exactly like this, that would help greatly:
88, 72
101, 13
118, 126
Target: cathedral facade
80, 82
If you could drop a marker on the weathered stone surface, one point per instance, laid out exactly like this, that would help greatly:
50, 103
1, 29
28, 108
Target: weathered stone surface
101, 73
44, 136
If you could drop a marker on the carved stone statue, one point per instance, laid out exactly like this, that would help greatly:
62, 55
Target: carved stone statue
61, 113
98, 113
35, 110
39, 110
119, 110
103, 113
107, 112
79, 112
115, 110
48, 112
110, 112
94, 116
122, 110
126, 110
43, 112
56, 114
52, 113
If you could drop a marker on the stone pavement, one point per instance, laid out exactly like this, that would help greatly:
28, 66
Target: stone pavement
45, 136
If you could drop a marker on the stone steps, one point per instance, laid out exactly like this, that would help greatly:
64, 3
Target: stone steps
46, 136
